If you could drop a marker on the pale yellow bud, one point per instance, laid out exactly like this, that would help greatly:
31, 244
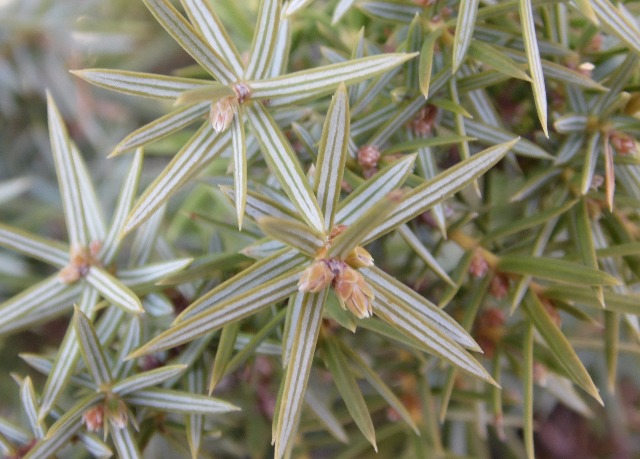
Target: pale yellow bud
359, 258
80, 261
117, 413
222, 113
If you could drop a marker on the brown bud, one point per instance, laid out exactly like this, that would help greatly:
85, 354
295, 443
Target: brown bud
93, 418
499, 286
316, 277
422, 124
337, 230
479, 266
595, 44
623, 143
243, 92
489, 329
368, 156
80, 261
552, 310
353, 292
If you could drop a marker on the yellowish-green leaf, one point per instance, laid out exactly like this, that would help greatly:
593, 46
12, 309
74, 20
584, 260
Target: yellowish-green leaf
67, 357
210, 93
495, 58
527, 392
379, 385
146, 379
425, 67
423, 197
294, 234
558, 344
259, 273
355, 233
348, 388
554, 269
223, 353
49, 251
179, 402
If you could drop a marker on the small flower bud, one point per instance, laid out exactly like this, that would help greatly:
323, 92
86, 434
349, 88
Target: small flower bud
353, 292
222, 113
623, 143
316, 277
68, 274
586, 68
243, 92
540, 374
359, 258
118, 418
93, 418
489, 329
80, 261
368, 156
479, 266
424, 121
499, 286
337, 230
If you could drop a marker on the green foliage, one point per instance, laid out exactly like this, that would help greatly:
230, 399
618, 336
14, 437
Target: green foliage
401, 226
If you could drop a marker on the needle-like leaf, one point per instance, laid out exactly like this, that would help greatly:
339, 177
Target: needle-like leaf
466, 21
140, 84
68, 181
190, 40
285, 165
91, 349
307, 328
332, 155
421, 198
264, 39
533, 57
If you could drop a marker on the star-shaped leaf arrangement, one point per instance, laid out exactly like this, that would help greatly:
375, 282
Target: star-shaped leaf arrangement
239, 91
85, 267
109, 393
315, 262
16, 441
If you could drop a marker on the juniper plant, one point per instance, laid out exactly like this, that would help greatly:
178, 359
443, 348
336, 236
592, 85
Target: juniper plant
407, 226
